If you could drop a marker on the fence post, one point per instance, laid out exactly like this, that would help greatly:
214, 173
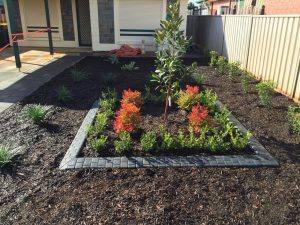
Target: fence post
224, 29
249, 43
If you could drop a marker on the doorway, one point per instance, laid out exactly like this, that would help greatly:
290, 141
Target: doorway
84, 23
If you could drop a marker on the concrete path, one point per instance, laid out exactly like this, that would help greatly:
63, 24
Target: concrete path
38, 67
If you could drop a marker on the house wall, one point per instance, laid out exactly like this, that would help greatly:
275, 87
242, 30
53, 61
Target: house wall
35, 21
131, 21
282, 7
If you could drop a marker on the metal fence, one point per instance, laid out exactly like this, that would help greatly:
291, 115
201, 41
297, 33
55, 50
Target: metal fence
267, 46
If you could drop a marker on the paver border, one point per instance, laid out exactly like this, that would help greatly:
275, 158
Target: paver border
261, 158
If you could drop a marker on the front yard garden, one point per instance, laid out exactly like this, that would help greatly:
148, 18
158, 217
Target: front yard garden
136, 118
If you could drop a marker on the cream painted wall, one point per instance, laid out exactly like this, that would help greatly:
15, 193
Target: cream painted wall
133, 15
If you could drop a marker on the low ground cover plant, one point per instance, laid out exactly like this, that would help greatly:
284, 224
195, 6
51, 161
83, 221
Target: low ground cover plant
234, 70
78, 75
221, 65
113, 59
36, 113
294, 118
265, 91
63, 94
122, 144
5, 155
148, 141
129, 67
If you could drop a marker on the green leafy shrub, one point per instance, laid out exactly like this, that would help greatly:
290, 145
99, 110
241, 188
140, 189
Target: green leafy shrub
107, 101
5, 155
63, 94
294, 118
245, 81
148, 141
100, 124
167, 141
98, 144
265, 92
238, 140
199, 78
209, 99
130, 67
36, 113
213, 58
222, 116
180, 140
122, 145
113, 59
221, 65
216, 143
78, 75
233, 70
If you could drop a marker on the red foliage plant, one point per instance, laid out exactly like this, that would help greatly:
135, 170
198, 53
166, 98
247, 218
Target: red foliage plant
198, 117
127, 118
134, 97
192, 90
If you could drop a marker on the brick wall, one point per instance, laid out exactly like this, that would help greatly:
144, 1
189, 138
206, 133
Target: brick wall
282, 7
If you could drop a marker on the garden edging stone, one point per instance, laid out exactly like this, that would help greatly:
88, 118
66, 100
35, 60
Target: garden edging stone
261, 158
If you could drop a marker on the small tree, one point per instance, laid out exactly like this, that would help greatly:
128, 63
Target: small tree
172, 45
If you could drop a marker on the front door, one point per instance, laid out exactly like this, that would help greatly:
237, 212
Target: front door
84, 23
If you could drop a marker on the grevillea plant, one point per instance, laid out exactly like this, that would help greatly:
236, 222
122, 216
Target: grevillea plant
197, 117
188, 98
172, 45
127, 119
134, 97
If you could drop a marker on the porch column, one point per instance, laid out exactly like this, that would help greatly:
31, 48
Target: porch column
13, 30
49, 27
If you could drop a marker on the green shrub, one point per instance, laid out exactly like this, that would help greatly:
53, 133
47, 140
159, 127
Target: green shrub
36, 113
245, 81
199, 78
188, 98
238, 140
167, 141
122, 145
107, 101
209, 99
221, 65
63, 94
129, 67
5, 155
216, 143
99, 144
113, 59
213, 58
180, 140
233, 70
78, 75
222, 116
148, 141
294, 118
100, 124
265, 92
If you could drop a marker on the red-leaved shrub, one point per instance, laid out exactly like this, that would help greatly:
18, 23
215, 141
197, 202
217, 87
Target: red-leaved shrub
127, 118
192, 90
197, 117
134, 97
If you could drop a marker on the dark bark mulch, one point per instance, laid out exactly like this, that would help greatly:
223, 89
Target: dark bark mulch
34, 191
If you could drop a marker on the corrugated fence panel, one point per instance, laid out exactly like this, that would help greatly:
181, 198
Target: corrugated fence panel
236, 39
267, 46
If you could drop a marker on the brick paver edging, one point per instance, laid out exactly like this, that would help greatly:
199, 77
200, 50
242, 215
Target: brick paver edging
261, 158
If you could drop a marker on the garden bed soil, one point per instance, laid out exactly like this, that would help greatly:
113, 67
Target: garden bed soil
34, 191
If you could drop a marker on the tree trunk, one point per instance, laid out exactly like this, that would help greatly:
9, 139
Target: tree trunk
167, 107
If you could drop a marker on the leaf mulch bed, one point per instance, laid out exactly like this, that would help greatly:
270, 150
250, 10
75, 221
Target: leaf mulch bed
34, 191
